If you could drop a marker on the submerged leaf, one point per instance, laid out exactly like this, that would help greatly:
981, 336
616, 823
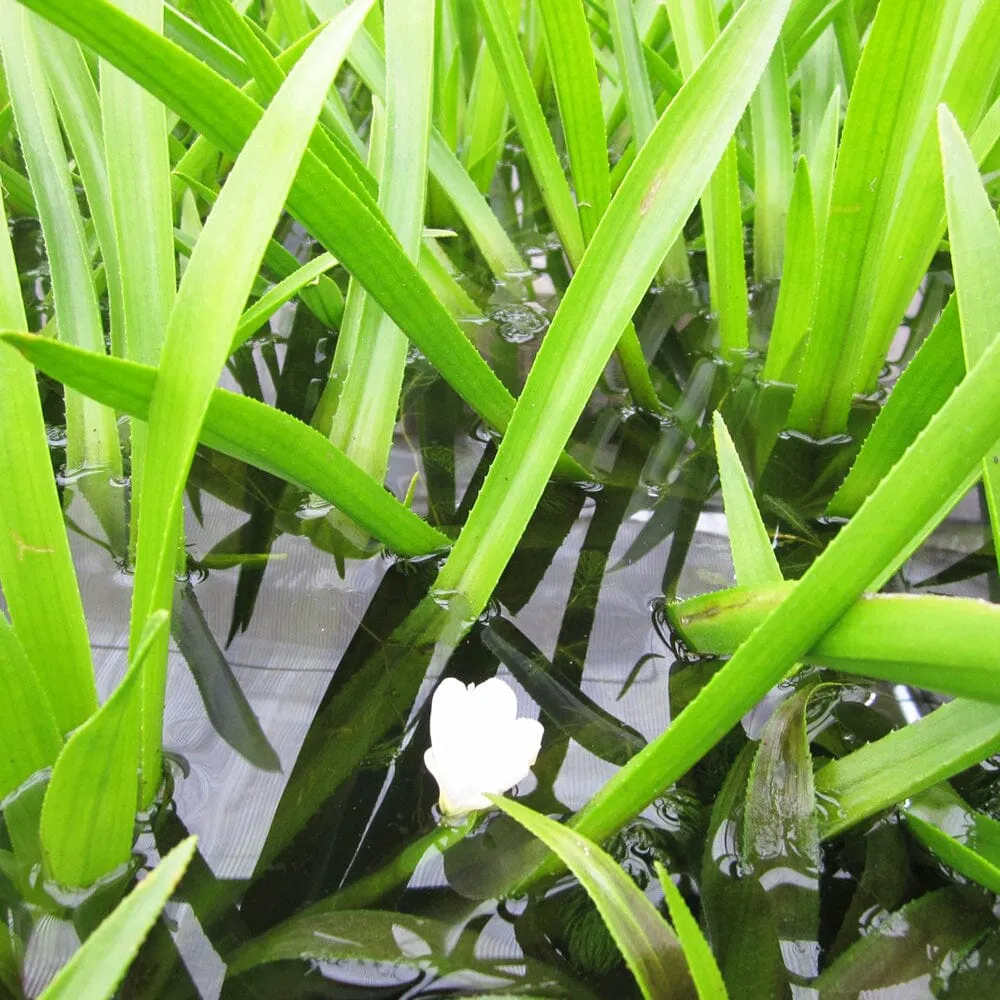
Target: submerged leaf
564, 704
911, 948
650, 948
227, 707
962, 838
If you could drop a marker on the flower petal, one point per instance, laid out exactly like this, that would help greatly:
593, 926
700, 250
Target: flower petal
512, 758
493, 703
449, 706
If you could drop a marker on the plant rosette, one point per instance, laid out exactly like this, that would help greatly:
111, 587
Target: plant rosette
479, 746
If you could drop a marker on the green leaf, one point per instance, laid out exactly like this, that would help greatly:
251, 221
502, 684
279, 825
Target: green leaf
917, 944
975, 255
701, 962
36, 568
75, 93
547, 168
31, 736
255, 316
502, 256
736, 910
89, 810
365, 418
209, 302
92, 437
640, 107
695, 27
794, 311
753, 555
881, 123
205, 47
565, 706
509, 61
771, 125
574, 77
942, 644
139, 199
251, 432
927, 382
225, 703
98, 967
905, 762
648, 944
486, 122
646, 216
962, 838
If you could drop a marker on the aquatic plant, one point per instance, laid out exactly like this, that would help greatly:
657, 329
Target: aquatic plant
698, 228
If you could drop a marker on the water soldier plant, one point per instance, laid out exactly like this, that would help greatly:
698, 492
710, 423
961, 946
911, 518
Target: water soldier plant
481, 305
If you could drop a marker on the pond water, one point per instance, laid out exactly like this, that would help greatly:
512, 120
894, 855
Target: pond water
327, 838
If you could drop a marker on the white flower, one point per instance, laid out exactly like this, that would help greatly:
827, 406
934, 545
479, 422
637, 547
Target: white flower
478, 745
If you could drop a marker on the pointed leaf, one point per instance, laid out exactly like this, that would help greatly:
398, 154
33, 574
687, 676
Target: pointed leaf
99, 966
251, 432
89, 810
650, 948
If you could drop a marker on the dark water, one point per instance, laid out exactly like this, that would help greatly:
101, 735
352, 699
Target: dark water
274, 602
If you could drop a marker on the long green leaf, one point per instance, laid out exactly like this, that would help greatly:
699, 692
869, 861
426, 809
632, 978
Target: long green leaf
486, 123
646, 216
943, 644
640, 107
794, 311
527, 112
138, 172
328, 208
92, 436
695, 27
79, 105
202, 323
256, 315
771, 125
880, 121
574, 78
504, 260
99, 966
975, 254
89, 810
251, 432
545, 163
964, 839
929, 379
31, 736
905, 762
919, 215
365, 418
36, 569
650, 948
701, 962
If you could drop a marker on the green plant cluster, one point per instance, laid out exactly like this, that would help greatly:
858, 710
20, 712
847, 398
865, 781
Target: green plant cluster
163, 150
